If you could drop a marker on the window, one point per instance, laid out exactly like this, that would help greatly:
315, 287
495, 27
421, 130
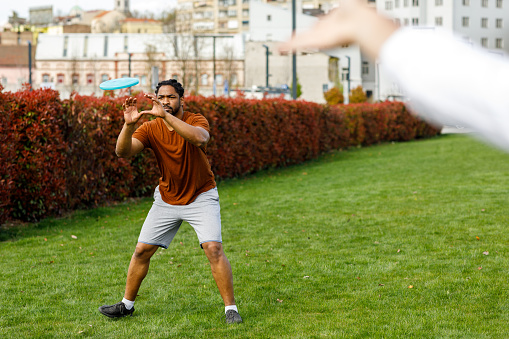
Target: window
245, 23
66, 42
4, 81
143, 80
415, 3
484, 42
365, 67
245, 12
484, 22
406, 21
175, 77
85, 46
125, 76
465, 21
45, 78
75, 79
405, 3
499, 3
439, 3
268, 17
235, 80
415, 21
204, 79
397, 21
500, 23
484, 3
232, 12
60, 78
466, 2
104, 77
388, 5
219, 79
396, 3
438, 21
499, 43
90, 79
125, 43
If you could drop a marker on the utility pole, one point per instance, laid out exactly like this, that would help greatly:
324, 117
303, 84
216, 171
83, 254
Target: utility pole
214, 55
30, 64
348, 79
266, 65
294, 54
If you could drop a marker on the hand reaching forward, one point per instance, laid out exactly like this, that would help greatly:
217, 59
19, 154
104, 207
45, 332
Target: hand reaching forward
352, 22
157, 108
131, 114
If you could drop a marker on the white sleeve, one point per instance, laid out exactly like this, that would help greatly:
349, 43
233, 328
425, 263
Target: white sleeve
447, 80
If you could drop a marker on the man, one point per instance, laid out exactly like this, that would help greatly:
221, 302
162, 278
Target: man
186, 192
433, 68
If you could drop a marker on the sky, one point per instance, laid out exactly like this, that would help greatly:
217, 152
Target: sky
62, 7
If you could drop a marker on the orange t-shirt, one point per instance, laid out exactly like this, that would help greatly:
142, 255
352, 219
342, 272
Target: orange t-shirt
185, 169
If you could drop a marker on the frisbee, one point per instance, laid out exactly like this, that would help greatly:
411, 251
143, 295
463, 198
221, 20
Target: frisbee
118, 83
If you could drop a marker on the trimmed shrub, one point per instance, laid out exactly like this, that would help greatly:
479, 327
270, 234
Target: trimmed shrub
334, 96
59, 156
357, 96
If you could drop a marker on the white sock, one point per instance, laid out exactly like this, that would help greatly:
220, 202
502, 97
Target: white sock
128, 303
230, 307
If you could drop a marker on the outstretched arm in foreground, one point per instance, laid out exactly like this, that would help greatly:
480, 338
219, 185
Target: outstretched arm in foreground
447, 81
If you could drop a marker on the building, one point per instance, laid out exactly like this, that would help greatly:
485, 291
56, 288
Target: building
122, 6
135, 25
107, 22
232, 16
14, 60
480, 22
41, 16
81, 62
316, 71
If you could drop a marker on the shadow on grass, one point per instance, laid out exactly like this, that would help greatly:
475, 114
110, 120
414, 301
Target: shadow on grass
16, 230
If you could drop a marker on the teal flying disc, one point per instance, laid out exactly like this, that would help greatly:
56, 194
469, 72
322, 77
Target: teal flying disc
118, 83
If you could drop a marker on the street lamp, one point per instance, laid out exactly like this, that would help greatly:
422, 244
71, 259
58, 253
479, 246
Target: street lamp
294, 54
348, 78
266, 65
30, 64
214, 54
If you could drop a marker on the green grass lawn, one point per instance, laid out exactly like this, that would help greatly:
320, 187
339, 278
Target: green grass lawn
379, 242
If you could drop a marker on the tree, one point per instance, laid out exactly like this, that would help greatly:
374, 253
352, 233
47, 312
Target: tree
299, 88
334, 96
357, 95
229, 64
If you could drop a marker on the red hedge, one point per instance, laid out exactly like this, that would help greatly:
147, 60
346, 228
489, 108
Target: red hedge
59, 156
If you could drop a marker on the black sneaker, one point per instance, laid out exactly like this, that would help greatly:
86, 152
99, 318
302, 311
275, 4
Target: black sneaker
232, 317
116, 311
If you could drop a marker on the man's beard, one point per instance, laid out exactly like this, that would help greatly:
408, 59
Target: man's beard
170, 109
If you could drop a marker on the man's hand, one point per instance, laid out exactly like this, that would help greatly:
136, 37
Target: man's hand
157, 108
131, 114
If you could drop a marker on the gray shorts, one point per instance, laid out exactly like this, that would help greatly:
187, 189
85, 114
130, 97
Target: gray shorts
164, 220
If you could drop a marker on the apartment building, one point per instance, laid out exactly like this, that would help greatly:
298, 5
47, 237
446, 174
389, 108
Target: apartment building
480, 22
80, 62
231, 16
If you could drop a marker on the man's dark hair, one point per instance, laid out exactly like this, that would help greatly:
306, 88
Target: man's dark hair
173, 83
